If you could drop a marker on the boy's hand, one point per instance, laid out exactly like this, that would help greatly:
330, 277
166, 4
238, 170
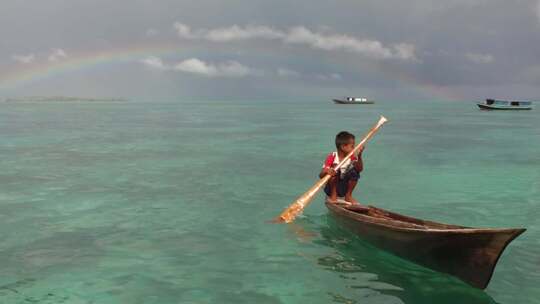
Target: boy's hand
361, 150
330, 171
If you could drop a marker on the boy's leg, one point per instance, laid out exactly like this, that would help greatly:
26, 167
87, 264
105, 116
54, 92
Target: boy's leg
331, 189
352, 180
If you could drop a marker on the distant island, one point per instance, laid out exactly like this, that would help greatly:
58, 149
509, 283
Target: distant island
60, 98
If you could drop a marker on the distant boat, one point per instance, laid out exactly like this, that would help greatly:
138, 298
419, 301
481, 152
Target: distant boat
353, 100
494, 104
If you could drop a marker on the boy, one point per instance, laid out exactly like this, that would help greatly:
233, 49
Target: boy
342, 182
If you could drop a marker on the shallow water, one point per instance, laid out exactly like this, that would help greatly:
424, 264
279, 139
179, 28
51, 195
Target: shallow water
168, 202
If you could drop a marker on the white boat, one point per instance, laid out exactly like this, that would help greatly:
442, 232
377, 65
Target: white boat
353, 100
494, 104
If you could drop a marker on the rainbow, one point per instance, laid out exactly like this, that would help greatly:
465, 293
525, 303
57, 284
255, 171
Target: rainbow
19, 76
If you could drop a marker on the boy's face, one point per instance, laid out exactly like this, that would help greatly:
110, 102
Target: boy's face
348, 147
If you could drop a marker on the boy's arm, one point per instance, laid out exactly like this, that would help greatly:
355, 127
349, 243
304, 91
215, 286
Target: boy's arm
327, 166
325, 171
359, 163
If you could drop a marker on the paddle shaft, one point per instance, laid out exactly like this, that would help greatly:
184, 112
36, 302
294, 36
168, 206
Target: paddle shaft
289, 214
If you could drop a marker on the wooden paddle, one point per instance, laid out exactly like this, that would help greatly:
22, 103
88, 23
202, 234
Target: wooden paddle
288, 215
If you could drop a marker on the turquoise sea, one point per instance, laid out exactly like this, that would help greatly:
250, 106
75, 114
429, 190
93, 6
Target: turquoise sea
169, 202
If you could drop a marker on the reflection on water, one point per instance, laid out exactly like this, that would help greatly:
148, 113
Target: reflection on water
366, 267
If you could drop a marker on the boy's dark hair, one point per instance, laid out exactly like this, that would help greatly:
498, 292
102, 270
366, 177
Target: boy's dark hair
343, 138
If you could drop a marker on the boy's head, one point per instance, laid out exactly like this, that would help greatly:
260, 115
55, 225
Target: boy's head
345, 141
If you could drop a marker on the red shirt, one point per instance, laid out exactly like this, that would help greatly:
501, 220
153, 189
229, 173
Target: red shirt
332, 160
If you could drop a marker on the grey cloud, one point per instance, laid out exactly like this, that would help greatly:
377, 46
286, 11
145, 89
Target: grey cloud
480, 58
333, 76
470, 47
285, 72
151, 32
537, 10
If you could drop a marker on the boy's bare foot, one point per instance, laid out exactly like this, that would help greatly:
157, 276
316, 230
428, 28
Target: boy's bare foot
332, 200
351, 199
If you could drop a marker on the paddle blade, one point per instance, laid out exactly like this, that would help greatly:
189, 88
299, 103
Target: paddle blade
288, 215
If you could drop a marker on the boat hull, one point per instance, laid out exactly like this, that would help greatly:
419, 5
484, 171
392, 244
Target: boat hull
339, 101
469, 254
494, 107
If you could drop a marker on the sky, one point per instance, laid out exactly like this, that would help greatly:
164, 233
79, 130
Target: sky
265, 50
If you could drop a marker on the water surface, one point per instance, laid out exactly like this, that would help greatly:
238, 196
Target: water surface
168, 202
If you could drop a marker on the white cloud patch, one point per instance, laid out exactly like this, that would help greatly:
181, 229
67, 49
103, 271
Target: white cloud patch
57, 54
226, 69
369, 48
287, 73
301, 36
183, 30
226, 34
232, 69
238, 33
196, 66
480, 58
405, 51
24, 59
154, 62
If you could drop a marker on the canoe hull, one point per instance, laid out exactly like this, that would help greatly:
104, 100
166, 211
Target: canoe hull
494, 107
467, 253
339, 101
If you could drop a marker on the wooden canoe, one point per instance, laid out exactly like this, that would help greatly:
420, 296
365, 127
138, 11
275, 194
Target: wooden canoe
469, 254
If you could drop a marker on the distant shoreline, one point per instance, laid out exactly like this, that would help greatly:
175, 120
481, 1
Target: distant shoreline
61, 98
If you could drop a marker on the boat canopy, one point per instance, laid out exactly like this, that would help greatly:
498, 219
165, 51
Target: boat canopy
507, 102
356, 99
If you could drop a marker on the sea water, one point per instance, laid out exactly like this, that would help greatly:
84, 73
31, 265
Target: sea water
160, 201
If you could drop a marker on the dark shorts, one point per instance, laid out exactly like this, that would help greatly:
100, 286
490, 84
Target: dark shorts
351, 175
